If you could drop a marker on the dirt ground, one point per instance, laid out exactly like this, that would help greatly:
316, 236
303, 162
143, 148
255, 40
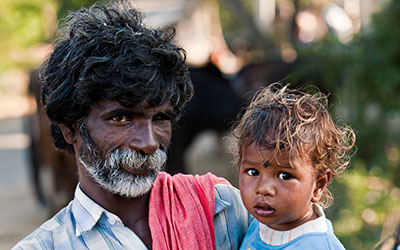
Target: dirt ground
20, 213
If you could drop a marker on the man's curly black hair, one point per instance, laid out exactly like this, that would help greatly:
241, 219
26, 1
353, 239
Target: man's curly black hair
107, 53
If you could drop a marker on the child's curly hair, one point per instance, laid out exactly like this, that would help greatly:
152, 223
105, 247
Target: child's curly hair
298, 122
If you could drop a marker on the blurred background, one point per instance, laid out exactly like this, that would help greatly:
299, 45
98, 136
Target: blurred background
349, 49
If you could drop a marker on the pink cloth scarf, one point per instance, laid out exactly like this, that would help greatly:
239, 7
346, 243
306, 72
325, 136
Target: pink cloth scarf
181, 211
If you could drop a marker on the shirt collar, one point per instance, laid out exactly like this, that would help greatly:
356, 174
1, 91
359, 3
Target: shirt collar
87, 212
274, 237
220, 204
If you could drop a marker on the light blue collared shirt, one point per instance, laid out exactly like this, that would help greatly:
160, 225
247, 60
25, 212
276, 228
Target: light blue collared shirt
84, 224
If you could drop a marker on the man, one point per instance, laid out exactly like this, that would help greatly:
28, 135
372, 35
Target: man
112, 88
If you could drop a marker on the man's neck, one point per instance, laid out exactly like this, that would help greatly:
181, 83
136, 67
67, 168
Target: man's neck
132, 211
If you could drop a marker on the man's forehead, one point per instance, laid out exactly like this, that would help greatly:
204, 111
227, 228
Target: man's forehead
108, 106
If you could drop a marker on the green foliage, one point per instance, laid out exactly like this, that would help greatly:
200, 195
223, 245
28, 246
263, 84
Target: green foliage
21, 21
25, 23
230, 24
233, 26
22, 24
241, 32
362, 201
71, 5
364, 80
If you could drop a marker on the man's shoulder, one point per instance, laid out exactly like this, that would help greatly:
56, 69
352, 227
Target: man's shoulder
227, 193
38, 239
43, 236
231, 218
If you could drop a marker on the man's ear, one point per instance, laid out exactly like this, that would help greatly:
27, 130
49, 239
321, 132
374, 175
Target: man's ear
320, 185
70, 133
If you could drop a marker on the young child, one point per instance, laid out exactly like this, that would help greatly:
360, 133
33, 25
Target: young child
287, 150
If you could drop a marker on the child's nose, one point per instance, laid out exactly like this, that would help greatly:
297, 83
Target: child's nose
265, 187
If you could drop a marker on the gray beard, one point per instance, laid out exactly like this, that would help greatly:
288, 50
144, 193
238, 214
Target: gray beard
106, 170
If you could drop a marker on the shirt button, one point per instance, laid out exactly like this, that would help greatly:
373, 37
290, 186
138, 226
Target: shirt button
111, 220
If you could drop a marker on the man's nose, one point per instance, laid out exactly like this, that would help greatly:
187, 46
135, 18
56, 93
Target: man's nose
143, 137
266, 187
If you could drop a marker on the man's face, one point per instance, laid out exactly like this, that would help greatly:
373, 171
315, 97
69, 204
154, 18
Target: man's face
122, 148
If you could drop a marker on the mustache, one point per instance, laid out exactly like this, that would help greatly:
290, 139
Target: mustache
133, 159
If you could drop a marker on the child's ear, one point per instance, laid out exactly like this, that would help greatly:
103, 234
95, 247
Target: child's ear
320, 185
69, 132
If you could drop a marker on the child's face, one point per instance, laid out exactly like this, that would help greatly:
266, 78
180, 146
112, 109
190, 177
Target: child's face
277, 193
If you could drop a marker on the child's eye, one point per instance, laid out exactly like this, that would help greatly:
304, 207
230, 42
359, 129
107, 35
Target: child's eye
284, 176
252, 172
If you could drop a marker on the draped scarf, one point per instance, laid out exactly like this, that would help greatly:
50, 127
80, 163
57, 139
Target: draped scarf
181, 211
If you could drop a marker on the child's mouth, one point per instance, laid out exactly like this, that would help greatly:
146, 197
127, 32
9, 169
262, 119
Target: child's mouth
263, 209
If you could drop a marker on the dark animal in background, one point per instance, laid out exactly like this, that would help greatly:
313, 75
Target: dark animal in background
217, 101
44, 156
213, 107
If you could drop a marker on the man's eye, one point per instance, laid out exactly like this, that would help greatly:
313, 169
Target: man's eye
120, 118
161, 117
252, 172
284, 176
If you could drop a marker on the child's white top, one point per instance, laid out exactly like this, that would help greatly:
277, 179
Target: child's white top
274, 237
